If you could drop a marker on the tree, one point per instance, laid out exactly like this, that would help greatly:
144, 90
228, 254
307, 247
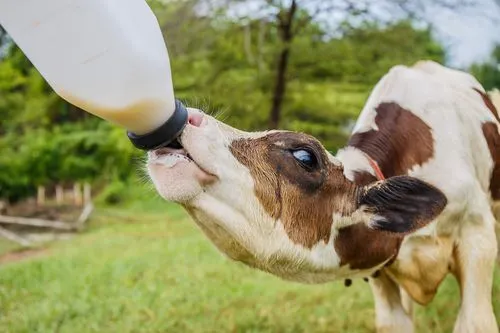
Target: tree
3, 36
290, 18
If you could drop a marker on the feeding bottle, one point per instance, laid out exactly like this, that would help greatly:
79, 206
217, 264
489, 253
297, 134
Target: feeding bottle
107, 57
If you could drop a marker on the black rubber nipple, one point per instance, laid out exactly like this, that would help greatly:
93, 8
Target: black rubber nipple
166, 135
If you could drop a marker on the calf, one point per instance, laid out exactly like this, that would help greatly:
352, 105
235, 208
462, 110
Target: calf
406, 202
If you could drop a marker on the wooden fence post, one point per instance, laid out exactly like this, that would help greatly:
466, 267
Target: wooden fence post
87, 194
77, 194
40, 196
59, 194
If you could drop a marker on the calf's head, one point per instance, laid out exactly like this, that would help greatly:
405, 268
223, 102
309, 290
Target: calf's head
279, 202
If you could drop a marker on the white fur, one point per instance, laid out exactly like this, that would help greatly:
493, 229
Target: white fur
354, 160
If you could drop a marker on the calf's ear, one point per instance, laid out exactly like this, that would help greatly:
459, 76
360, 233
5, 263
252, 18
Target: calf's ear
402, 204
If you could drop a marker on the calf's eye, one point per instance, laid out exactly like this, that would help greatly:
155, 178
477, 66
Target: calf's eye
305, 158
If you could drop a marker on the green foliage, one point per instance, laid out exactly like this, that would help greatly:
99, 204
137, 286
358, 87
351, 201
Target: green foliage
223, 66
66, 153
366, 53
114, 193
488, 73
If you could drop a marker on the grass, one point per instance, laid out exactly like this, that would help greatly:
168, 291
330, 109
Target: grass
147, 268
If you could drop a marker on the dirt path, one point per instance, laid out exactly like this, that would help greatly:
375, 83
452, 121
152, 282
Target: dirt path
21, 255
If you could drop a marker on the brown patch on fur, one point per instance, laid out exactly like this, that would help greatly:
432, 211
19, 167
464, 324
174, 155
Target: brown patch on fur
489, 103
402, 141
304, 200
363, 248
490, 131
363, 178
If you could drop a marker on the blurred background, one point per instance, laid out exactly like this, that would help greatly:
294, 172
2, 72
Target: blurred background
86, 245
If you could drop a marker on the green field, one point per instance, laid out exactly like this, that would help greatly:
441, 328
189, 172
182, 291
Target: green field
146, 268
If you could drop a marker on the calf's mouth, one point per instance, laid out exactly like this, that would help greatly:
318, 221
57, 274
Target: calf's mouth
175, 152
170, 157
175, 172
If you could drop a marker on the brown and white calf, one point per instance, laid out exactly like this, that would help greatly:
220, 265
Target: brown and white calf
279, 202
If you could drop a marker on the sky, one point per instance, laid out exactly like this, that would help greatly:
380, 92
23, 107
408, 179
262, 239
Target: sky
468, 37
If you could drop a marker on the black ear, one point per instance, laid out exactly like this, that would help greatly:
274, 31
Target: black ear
402, 204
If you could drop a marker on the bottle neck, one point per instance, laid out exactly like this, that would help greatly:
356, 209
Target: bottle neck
165, 134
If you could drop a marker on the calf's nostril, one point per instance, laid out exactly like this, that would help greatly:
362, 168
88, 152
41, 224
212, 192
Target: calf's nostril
195, 118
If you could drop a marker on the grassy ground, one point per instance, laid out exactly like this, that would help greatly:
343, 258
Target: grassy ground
146, 268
